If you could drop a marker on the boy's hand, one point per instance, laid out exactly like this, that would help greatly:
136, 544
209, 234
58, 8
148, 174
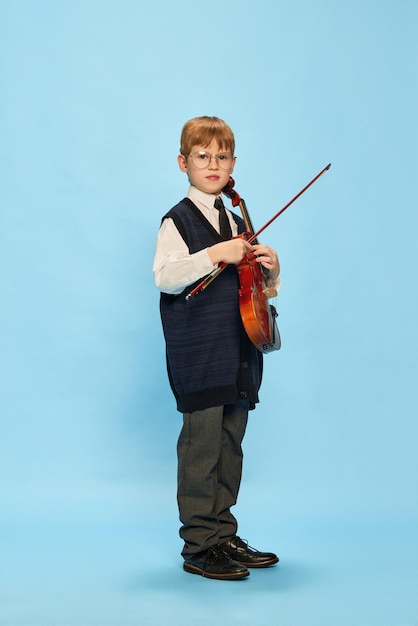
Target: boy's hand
232, 251
268, 259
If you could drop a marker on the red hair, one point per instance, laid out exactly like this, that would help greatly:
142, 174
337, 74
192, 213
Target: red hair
202, 131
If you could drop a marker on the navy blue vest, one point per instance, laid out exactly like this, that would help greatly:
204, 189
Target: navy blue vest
210, 359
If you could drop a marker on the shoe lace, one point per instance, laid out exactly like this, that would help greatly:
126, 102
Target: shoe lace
241, 543
215, 553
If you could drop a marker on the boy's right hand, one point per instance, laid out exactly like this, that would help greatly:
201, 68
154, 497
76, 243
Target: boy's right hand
232, 251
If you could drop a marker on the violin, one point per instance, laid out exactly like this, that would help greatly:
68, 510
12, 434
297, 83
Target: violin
257, 315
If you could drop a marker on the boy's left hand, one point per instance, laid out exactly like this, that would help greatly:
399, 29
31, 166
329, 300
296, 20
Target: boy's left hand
268, 258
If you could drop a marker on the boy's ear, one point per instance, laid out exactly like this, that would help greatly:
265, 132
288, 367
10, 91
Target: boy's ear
182, 161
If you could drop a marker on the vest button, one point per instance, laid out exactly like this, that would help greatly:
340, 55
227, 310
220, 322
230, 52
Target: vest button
243, 394
244, 365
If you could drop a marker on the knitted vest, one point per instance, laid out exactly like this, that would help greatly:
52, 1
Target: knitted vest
210, 360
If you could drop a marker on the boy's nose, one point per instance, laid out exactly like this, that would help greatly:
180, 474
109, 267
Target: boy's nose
213, 163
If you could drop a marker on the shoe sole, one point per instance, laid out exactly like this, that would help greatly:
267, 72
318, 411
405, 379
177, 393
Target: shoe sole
193, 569
263, 564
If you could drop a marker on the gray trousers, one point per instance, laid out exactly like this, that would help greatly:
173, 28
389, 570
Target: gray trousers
209, 474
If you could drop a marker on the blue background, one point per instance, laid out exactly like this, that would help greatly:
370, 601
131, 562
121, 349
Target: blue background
93, 98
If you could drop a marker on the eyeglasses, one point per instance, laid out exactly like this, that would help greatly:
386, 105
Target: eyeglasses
202, 159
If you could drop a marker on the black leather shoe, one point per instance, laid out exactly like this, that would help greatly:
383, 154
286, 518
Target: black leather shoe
241, 552
215, 563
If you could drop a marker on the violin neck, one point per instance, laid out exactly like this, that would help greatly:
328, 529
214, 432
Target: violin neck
247, 220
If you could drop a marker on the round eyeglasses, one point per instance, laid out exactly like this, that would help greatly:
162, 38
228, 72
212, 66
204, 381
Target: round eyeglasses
202, 159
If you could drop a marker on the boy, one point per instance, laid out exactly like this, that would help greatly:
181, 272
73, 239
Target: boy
214, 370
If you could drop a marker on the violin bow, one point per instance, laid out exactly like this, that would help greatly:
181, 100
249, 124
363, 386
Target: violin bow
231, 193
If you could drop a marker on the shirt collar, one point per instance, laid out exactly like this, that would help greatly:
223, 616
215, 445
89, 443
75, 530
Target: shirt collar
208, 199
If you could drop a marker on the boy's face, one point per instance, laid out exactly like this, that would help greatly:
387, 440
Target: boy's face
212, 178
